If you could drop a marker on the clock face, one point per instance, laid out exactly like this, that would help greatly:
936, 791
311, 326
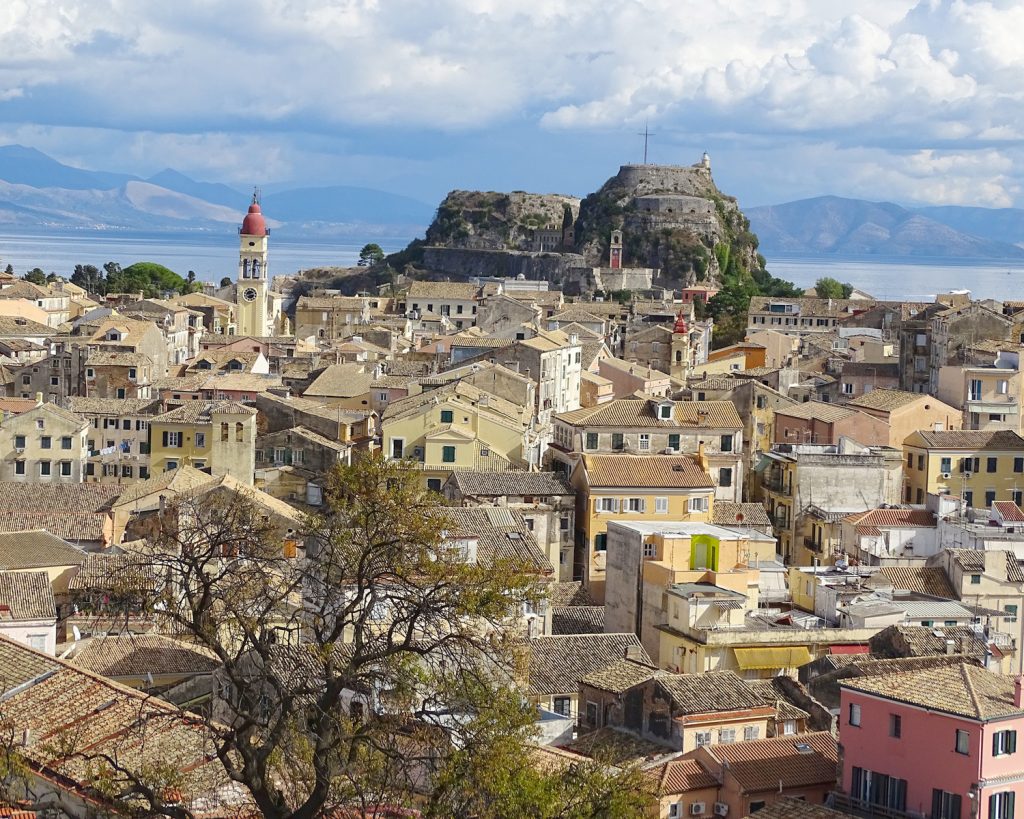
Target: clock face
249, 294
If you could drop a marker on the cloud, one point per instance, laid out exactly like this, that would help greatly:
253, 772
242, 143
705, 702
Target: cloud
214, 84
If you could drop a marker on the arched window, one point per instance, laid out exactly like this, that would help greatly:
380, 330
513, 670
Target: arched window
245, 268
679, 356
255, 268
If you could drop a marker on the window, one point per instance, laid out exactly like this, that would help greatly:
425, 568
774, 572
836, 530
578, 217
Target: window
750, 733
963, 742
171, 439
239, 432
397, 447
991, 464
1002, 386
702, 738
40, 423
65, 442
592, 714
945, 805
895, 725
591, 440
650, 549
1011, 612
131, 373
45, 442
974, 391
675, 810
1018, 465
645, 442
920, 462
757, 805
725, 476
847, 388
661, 506
54, 381
607, 505
910, 460
434, 484
726, 443
699, 504
19, 467
853, 718
673, 440
1004, 743
665, 411
726, 736
990, 496
448, 454
447, 416
601, 542
975, 579
637, 505
789, 727
44, 468
19, 441
65, 469
946, 465
563, 706
37, 641
969, 497
1000, 805
200, 439
617, 441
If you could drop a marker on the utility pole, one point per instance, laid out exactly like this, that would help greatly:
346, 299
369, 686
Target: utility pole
646, 135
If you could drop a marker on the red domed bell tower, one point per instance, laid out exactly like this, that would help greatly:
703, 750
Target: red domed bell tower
251, 290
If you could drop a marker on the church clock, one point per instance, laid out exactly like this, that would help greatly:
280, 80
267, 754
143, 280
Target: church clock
249, 294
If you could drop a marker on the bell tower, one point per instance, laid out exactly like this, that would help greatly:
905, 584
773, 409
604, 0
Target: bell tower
680, 364
251, 290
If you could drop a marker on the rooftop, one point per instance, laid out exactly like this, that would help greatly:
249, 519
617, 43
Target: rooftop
496, 484
646, 471
37, 550
969, 439
26, 596
888, 400
124, 655
559, 661
795, 761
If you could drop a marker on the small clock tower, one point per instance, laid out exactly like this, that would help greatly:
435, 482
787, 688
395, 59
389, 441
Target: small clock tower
251, 290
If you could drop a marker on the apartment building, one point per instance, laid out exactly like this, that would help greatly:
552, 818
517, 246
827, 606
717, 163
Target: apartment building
118, 437
988, 388
46, 444
980, 467
214, 437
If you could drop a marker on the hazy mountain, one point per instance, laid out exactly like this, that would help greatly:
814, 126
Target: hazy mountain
38, 192
1001, 224
833, 225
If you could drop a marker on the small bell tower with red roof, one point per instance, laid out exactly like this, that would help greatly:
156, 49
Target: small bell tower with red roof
680, 366
253, 276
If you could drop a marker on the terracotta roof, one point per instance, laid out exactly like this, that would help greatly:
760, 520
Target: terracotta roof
108, 572
709, 692
682, 776
926, 641
502, 533
714, 382
341, 381
620, 675
559, 662
241, 381
18, 665
37, 550
796, 761
973, 561
963, 689
646, 471
774, 696
114, 406
201, 412
575, 312
442, 290
569, 593
754, 514
887, 400
899, 518
1010, 511
929, 580
496, 484
124, 655
818, 410
102, 358
971, 439
182, 479
14, 326
788, 808
27, 596
577, 619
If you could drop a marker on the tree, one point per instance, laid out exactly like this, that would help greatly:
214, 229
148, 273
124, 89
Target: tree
9, 270
829, 288
371, 255
225, 281
35, 276
90, 279
376, 666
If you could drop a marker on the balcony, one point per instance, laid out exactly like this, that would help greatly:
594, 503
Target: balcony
813, 545
994, 405
775, 484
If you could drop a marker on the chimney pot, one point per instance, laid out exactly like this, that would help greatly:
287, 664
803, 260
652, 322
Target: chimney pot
1018, 691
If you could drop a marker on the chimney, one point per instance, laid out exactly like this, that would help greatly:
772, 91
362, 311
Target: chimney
1018, 691
702, 457
635, 653
950, 647
39, 399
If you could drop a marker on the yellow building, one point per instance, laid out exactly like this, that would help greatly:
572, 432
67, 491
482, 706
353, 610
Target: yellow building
981, 467
633, 488
215, 437
458, 426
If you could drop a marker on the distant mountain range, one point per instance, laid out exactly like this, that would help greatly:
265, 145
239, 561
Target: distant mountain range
39, 193
831, 225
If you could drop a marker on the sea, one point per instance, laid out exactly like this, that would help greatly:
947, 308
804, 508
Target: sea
214, 255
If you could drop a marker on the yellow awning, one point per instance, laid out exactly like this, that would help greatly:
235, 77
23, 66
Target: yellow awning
787, 657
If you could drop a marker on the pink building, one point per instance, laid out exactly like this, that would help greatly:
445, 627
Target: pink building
940, 743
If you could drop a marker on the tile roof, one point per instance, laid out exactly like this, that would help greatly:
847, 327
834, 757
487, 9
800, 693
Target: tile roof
1010, 511
182, 479
37, 550
15, 326
775, 696
682, 776
963, 689
18, 666
818, 410
124, 655
107, 572
559, 661
113, 406
201, 412
620, 675
971, 439
898, 518
102, 358
930, 580
502, 533
646, 471
466, 291
886, 400
575, 312
973, 560
796, 761
714, 382
791, 808
511, 483
754, 514
710, 692
27, 596
569, 593
577, 619
341, 381
927, 641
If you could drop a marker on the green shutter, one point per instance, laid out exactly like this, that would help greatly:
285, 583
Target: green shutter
673, 441
1011, 746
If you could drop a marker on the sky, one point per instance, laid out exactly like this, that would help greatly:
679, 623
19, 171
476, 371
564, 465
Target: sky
914, 102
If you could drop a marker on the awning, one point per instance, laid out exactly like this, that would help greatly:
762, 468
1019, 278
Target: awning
851, 649
788, 657
763, 464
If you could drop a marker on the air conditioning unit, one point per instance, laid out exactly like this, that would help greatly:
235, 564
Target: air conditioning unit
19, 449
669, 451
945, 476
696, 809
721, 809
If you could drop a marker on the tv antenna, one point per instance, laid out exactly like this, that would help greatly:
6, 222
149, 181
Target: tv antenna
646, 135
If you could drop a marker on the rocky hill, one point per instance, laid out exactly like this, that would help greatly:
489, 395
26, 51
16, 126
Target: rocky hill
675, 222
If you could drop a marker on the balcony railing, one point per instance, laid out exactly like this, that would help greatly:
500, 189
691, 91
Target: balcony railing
776, 485
858, 807
813, 545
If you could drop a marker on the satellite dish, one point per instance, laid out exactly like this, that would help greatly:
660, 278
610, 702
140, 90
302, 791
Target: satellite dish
76, 633
740, 517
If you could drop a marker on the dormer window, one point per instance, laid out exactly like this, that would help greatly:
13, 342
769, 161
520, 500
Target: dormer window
664, 410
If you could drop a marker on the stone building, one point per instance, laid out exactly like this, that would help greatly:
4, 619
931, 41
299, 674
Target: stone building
46, 444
